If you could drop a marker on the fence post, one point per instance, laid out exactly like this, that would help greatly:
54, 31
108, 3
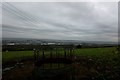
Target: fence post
51, 54
37, 54
71, 53
65, 53
34, 55
50, 58
56, 51
43, 57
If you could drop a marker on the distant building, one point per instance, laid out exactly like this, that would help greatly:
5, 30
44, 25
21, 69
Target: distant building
27, 43
17, 43
43, 43
10, 43
51, 43
58, 43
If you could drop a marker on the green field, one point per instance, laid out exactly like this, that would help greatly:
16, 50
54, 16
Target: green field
94, 52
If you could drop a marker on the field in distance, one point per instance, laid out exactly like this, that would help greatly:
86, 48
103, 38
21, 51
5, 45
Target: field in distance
89, 52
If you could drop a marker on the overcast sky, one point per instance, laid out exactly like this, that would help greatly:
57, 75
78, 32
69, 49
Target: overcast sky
65, 21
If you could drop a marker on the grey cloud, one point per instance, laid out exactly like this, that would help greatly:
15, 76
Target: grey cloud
79, 21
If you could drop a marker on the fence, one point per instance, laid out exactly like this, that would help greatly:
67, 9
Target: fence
54, 54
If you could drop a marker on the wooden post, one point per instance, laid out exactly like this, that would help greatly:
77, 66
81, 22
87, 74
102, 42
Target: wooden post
51, 54
70, 53
35, 55
65, 53
58, 58
43, 57
73, 75
50, 58
56, 51
73, 53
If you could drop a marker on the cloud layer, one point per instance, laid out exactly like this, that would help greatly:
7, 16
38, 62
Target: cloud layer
66, 21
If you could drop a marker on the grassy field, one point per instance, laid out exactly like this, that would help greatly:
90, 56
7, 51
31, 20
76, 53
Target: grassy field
96, 52
109, 52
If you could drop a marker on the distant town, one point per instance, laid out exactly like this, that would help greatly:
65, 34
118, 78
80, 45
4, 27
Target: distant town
16, 41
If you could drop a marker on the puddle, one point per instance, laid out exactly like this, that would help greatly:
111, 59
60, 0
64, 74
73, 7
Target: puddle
7, 69
11, 67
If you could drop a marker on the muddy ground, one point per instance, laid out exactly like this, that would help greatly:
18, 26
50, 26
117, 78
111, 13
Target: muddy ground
86, 68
